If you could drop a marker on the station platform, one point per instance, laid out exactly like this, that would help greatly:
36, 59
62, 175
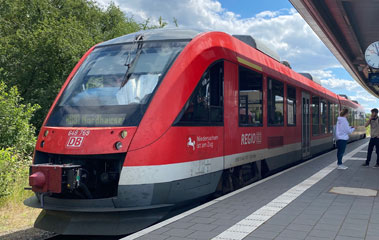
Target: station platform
294, 204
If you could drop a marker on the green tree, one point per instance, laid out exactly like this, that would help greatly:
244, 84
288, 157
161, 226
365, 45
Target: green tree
42, 40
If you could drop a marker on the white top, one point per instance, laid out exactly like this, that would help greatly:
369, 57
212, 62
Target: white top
343, 129
374, 132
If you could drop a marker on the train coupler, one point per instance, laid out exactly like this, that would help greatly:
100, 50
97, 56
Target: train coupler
54, 178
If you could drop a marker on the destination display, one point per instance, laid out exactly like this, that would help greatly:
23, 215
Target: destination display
95, 119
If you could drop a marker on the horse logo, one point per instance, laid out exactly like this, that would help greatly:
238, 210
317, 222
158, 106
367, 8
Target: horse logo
191, 143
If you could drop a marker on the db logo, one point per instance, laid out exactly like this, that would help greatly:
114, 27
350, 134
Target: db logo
75, 142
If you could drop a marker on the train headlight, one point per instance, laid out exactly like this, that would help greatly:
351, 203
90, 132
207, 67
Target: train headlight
124, 134
42, 144
118, 145
46, 133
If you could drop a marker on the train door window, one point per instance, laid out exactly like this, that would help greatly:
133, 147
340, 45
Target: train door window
315, 115
275, 98
354, 123
323, 114
336, 113
205, 106
291, 106
363, 116
357, 123
250, 97
330, 118
350, 116
358, 119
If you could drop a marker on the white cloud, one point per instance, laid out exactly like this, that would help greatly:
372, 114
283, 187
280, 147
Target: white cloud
268, 14
283, 30
363, 95
322, 74
349, 87
335, 83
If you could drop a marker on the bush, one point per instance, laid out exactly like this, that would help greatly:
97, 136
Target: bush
16, 132
13, 171
17, 140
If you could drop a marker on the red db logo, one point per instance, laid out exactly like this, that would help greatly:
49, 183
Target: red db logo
75, 142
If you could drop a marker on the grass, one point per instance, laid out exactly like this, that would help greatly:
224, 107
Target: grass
14, 215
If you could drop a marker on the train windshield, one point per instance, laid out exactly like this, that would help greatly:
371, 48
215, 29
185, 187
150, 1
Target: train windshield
114, 85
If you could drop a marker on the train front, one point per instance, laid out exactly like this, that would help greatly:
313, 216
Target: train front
83, 143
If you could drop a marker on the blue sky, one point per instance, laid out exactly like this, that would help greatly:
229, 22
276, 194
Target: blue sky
274, 22
249, 8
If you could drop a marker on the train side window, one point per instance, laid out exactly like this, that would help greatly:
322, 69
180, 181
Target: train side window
250, 97
323, 115
336, 113
363, 116
357, 114
206, 105
275, 98
330, 118
315, 115
291, 106
350, 118
357, 118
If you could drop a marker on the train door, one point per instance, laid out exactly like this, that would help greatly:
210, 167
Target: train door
230, 121
305, 129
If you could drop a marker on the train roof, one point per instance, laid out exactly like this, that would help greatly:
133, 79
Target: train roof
189, 34
156, 35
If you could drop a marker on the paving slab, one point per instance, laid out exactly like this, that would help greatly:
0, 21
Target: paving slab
314, 213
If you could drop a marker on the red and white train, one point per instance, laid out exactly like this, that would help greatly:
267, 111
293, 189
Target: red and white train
157, 118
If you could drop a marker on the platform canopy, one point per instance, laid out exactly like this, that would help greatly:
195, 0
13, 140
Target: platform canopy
347, 27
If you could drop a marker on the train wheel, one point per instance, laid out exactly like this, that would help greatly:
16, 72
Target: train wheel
237, 177
225, 184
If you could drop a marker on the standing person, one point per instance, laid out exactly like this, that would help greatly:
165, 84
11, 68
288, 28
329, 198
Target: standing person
373, 121
342, 135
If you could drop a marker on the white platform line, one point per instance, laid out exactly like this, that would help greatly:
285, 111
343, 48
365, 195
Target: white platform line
246, 226
356, 159
363, 151
191, 211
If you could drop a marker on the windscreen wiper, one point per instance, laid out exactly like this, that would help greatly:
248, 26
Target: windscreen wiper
132, 64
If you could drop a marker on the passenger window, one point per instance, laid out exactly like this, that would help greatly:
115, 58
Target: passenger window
315, 115
330, 118
362, 118
324, 119
336, 113
205, 106
350, 116
291, 106
275, 99
353, 117
250, 97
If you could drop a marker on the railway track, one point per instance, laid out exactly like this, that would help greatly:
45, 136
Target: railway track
70, 237
28, 234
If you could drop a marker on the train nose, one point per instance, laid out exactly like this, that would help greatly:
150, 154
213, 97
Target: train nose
37, 179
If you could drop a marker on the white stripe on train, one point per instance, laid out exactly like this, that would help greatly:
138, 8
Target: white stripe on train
135, 175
